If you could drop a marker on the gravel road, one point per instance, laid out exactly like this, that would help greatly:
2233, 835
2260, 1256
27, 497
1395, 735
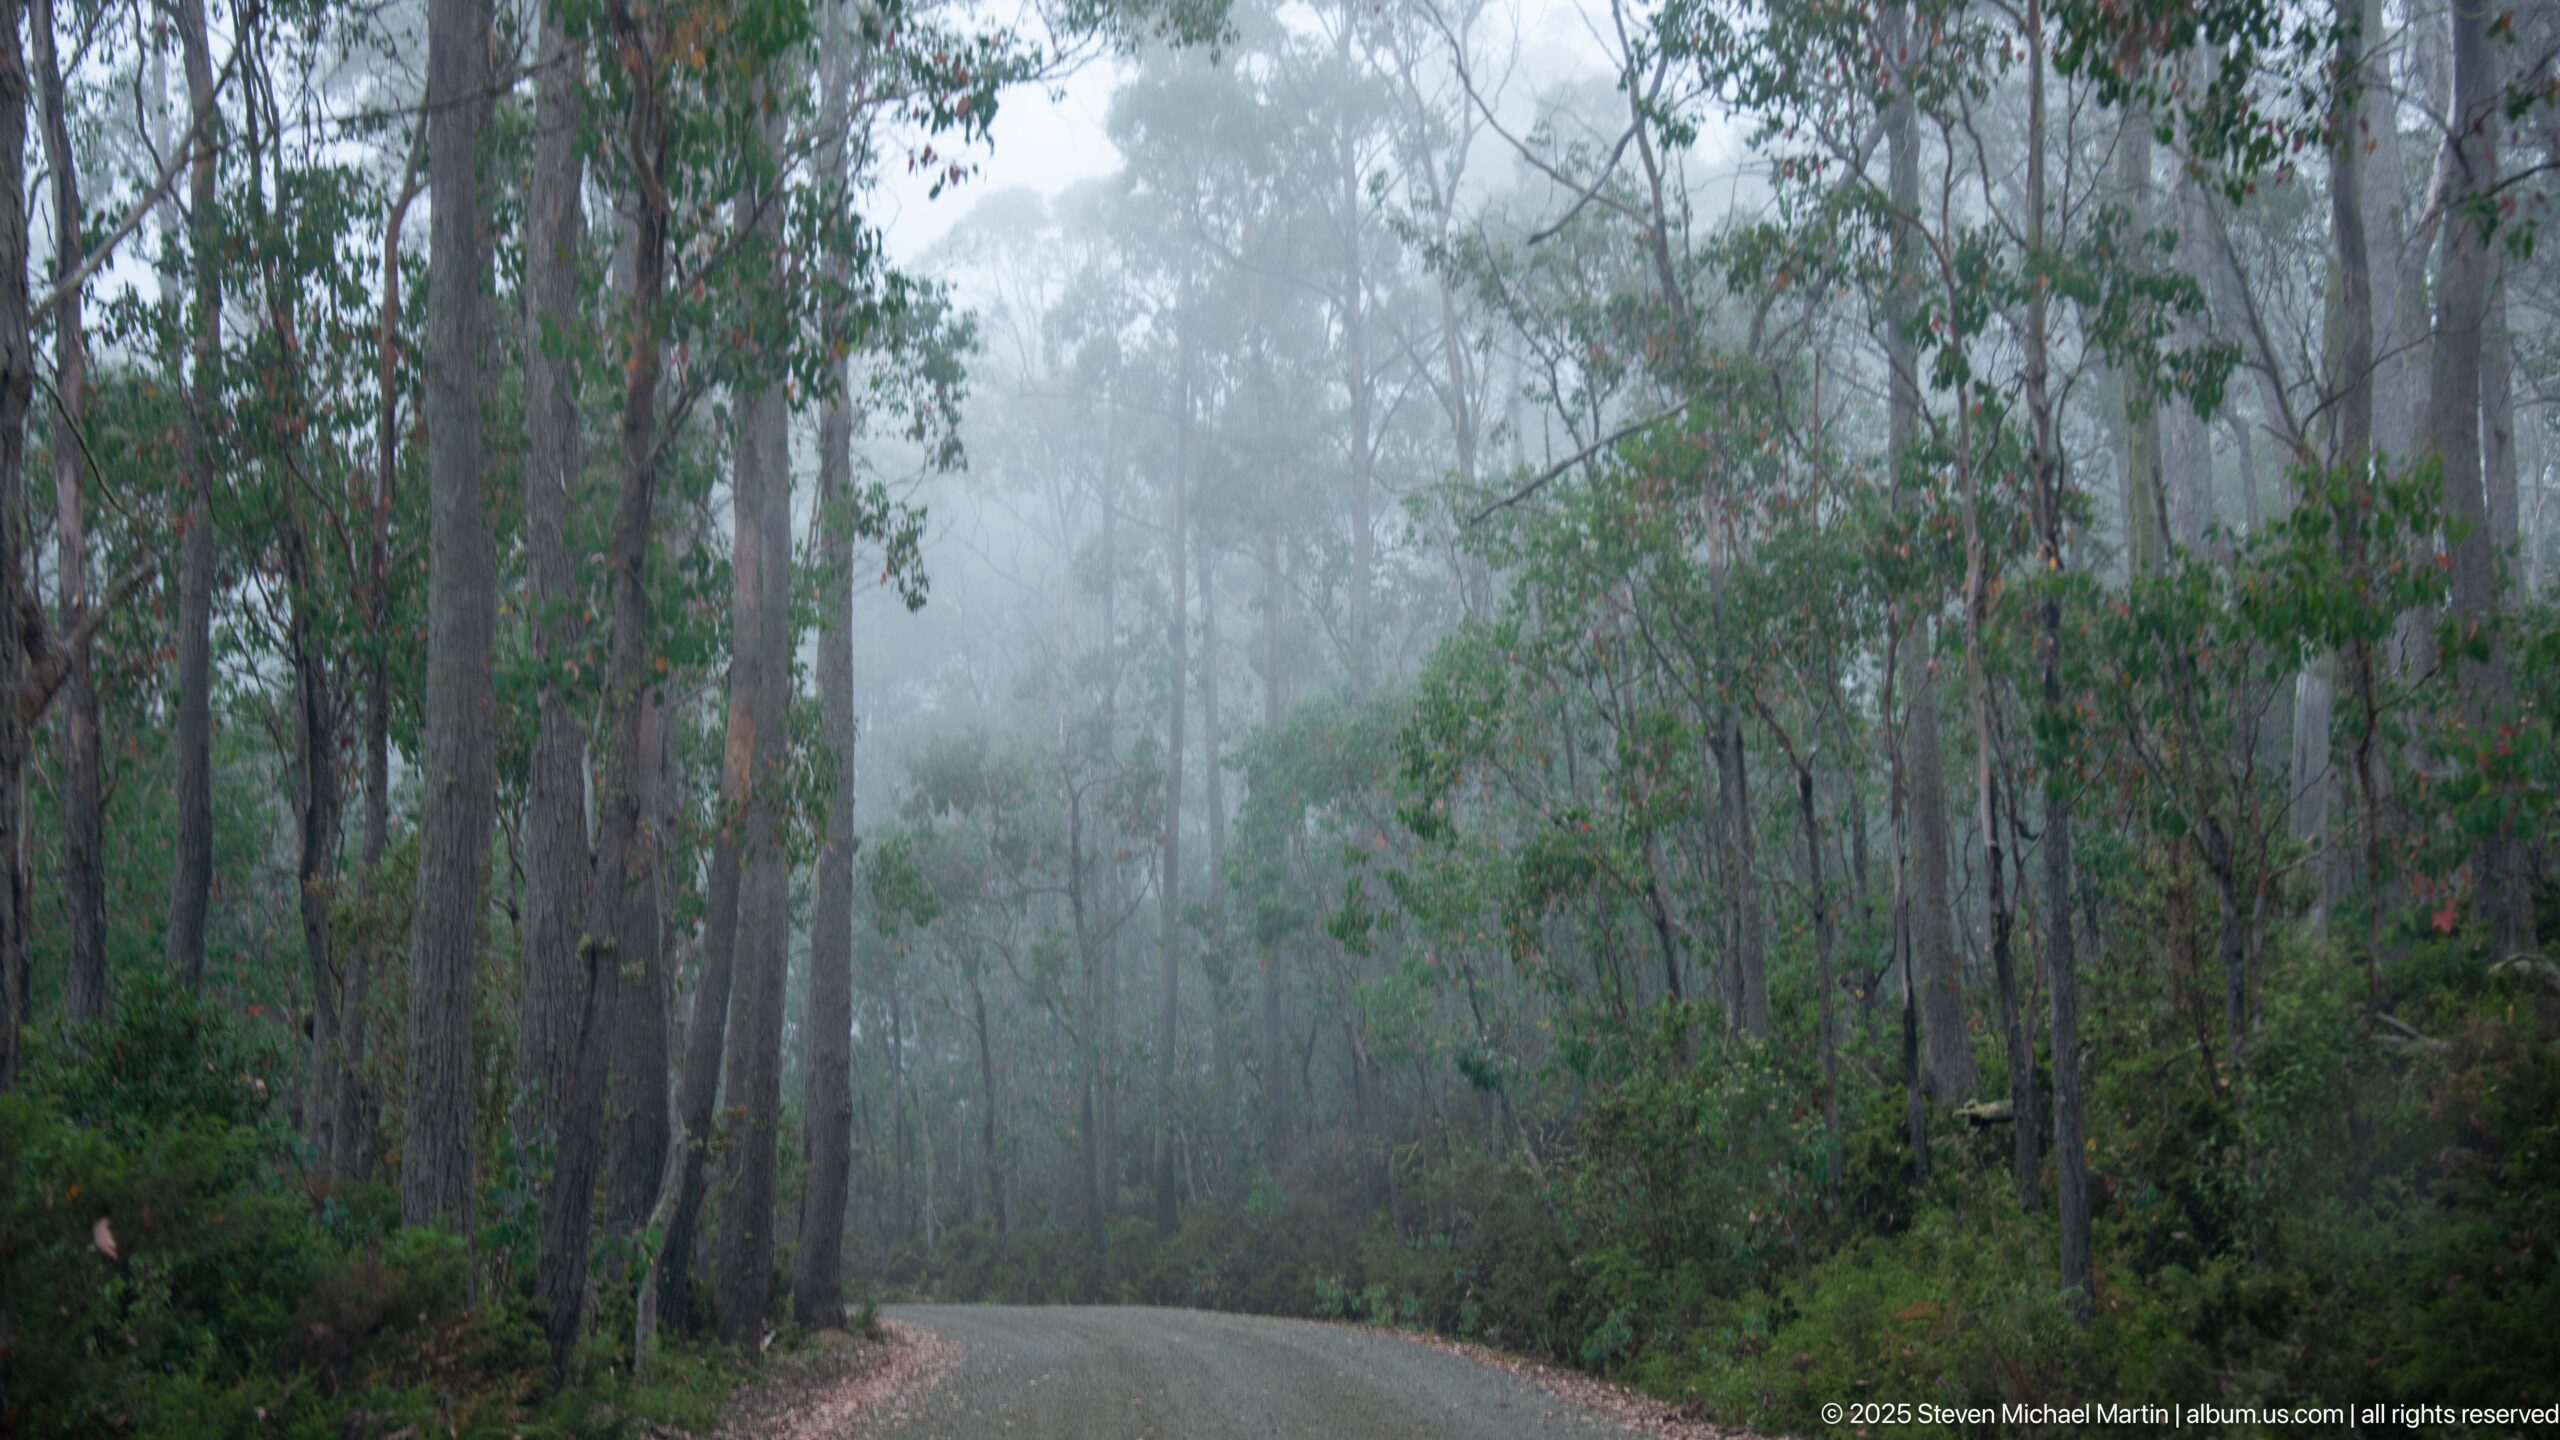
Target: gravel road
1125, 1373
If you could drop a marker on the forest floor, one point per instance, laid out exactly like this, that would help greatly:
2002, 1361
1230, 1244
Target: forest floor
1128, 1373
834, 1382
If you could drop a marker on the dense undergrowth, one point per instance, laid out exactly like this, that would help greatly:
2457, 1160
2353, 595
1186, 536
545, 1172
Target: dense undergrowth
173, 1276
2382, 1224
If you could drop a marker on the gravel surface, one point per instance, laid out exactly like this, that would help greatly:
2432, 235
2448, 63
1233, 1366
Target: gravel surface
1137, 1374
820, 1390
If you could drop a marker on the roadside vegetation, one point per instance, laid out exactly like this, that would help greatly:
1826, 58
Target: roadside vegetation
1796, 701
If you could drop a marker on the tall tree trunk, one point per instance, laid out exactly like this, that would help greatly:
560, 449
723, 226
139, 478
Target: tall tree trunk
987, 1111
646, 137
752, 1066
1169, 886
191, 864
2454, 401
567, 1000
1826, 993
17, 387
2145, 493
1362, 660
84, 875
636, 1111
1107, 1024
318, 801
551, 997
1089, 1065
826, 1105
2396, 249
1947, 1070
1222, 1036
460, 781
353, 1128
2071, 1174
1274, 1053
2498, 415
631, 869
2360, 89
2026, 1152
1750, 985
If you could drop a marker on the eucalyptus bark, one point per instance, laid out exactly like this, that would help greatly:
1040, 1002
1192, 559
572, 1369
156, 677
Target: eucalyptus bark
191, 861
630, 864
17, 389
2359, 294
636, 1102
551, 997
826, 1104
2454, 433
84, 876
752, 1063
459, 789
566, 1008
1948, 1072
646, 136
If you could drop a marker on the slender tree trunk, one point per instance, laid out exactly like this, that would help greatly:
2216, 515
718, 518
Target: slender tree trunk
2359, 292
2145, 493
1750, 984
2071, 1176
2026, 1153
1363, 660
1826, 990
2498, 415
191, 864
1169, 889
1275, 1079
567, 1004
551, 998
1214, 775
2396, 251
1107, 1024
646, 138
752, 1067
826, 1105
636, 1110
459, 791
17, 387
1948, 1073
84, 876
2454, 431
354, 1125
318, 798
1088, 1066
631, 867
987, 1111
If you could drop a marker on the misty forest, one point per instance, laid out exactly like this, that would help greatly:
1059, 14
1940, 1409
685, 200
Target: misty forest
1784, 701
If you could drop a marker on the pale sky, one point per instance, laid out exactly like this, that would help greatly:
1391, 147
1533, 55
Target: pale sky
1047, 139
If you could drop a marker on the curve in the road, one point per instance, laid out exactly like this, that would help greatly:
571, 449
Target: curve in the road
1074, 1373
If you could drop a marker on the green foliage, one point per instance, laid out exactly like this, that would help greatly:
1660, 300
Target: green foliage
192, 1284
